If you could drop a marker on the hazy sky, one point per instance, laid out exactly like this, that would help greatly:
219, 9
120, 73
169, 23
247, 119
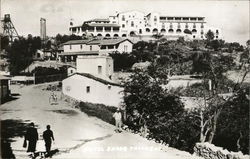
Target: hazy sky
231, 16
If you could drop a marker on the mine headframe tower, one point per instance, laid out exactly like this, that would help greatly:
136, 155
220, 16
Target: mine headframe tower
8, 28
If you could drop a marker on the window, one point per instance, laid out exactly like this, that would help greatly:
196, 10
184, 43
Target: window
179, 26
155, 18
123, 18
163, 18
125, 48
194, 36
90, 47
216, 37
123, 25
140, 31
70, 47
194, 26
88, 89
81, 46
171, 26
132, 24
71, 71
99, 69
111, 46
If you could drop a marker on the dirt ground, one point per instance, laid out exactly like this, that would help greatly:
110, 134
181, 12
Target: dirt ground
76, 134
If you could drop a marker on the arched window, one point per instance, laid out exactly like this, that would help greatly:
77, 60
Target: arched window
140, 31
124, 35
170, 30
155, 30
147, 30
116, 35
194, 31
107, 35
163, 30
99, 35
132, 33
178, 31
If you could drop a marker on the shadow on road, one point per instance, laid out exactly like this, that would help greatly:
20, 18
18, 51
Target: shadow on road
9, 130
11, 98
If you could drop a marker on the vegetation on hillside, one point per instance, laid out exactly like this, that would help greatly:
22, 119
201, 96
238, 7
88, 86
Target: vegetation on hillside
161, 113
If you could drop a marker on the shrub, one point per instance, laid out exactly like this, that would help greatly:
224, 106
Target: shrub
101, 111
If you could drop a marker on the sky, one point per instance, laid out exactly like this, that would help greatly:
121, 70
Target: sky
231, 16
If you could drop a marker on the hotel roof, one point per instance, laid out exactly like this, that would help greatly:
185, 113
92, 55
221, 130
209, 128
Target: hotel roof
104, 24
108, 41
80, 53
98, 20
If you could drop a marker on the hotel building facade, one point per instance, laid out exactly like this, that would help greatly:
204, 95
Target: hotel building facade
137, 24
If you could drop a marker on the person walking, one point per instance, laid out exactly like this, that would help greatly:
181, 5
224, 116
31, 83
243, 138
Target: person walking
31, 136
48, 137
118, 120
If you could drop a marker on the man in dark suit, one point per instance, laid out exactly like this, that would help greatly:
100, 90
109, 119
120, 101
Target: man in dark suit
31, 136
48, 137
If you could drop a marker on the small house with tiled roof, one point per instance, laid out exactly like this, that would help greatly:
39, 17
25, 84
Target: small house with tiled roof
74, 48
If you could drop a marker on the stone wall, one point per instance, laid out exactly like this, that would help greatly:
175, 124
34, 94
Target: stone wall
210, 151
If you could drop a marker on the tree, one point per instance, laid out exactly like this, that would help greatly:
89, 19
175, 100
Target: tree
209, 35
233, 123
123, 61
149, 105
212, 67
4, 42
21, 53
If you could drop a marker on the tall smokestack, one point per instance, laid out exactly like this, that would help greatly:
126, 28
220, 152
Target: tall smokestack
43, 29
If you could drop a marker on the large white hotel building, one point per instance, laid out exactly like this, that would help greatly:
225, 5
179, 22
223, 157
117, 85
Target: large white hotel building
137, 24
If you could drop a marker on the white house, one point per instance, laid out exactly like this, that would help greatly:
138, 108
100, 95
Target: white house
135, 23
71, 70
88, 88
100, 66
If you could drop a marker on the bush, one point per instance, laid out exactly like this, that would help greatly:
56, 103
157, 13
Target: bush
101, 111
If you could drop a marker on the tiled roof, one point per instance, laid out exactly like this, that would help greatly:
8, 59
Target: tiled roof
108, 41
104, 25
80, 53
98, 20
77, 42
98, 79
98, 41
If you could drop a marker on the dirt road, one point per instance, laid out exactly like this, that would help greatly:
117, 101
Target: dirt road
76, 134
